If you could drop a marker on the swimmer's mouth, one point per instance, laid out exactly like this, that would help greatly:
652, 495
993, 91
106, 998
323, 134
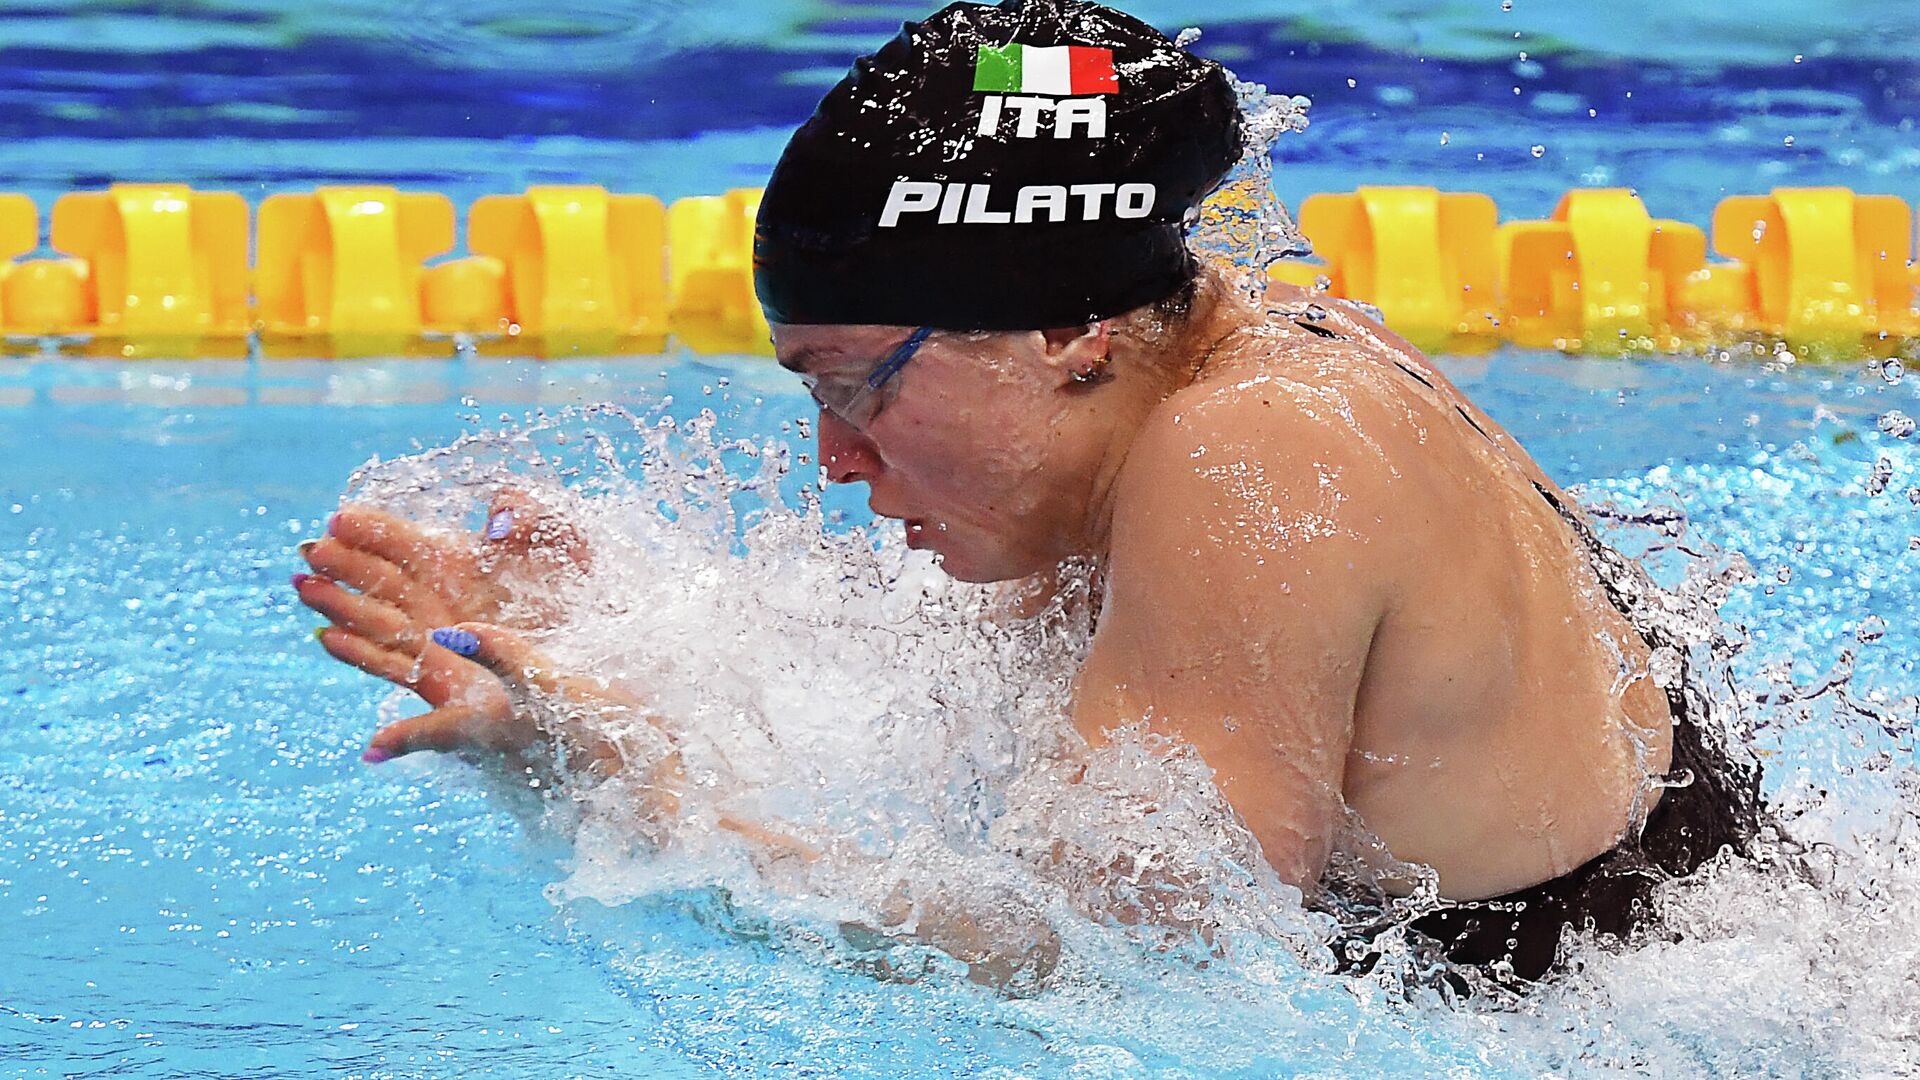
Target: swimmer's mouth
918, 532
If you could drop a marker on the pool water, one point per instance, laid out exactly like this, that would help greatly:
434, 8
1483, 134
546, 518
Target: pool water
1687, 101
200, 877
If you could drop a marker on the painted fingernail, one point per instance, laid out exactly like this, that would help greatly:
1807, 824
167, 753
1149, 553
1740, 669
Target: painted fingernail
375, 755
305, 546
500, 525
299, 579
320, 633
454, 639
333, 524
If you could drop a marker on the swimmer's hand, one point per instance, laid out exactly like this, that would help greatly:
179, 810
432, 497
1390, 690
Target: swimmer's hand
507, 574
490, 691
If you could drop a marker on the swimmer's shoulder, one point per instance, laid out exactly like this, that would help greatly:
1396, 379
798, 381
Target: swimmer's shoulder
1251, 444
1276, 391
1389, 388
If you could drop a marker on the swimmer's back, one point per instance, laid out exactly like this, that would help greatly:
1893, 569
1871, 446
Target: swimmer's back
1489, 740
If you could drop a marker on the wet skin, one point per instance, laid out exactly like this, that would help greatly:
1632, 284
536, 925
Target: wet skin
1315, 569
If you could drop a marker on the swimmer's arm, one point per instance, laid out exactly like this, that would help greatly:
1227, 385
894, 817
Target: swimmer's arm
580, 722
1241, 604
953, 928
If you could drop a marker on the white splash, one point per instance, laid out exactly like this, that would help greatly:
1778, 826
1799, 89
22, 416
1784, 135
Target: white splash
838, 688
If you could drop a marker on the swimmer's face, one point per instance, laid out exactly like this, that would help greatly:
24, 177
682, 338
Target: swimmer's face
973, 443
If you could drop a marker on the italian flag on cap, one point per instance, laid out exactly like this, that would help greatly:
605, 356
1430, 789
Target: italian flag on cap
1057, 70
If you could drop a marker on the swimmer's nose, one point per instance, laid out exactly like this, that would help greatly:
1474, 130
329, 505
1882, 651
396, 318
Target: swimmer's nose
848, 456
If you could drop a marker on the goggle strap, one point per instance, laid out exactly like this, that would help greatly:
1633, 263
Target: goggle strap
898, 359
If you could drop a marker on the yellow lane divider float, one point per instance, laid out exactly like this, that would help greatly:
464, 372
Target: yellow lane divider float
1601, 273
1820, 264
339, 269
710, 253
571, 269
161, 270
1423, 257
1821, 269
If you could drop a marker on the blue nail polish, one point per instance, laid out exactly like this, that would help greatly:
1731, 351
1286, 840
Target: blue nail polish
500, 525
454, 639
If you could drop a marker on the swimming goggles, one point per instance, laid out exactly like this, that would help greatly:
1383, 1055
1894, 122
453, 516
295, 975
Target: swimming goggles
859, 407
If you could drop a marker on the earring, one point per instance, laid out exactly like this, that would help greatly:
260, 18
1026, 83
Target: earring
1094, 372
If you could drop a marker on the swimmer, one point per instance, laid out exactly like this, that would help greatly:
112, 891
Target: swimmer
1317, 562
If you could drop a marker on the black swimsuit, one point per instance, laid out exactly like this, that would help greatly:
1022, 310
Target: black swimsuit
1714, 805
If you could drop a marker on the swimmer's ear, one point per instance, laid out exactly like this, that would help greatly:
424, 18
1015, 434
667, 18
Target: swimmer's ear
1079, 353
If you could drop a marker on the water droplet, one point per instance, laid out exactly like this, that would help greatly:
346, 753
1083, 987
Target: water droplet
1679, 778
1892, 370
1871, 629
1789, 140
1506, 5
1445, 138
1759, 230
1882, 473
1897, 424
1539, 151
1663, 667
1351, 84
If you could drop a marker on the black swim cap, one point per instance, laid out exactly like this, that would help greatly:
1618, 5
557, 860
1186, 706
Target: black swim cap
1017, 167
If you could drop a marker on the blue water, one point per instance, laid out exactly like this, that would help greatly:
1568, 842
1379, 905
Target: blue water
1692, 100
197, 877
